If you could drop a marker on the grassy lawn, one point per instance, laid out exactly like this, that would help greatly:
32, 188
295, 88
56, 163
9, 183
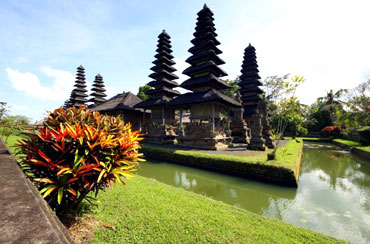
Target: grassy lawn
353, 144
12, 140
147, 211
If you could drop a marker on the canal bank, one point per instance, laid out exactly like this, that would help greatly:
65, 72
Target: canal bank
332, 197
284, 170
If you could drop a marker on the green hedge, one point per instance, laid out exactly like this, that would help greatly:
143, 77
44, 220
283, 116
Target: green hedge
259, 169
364, 133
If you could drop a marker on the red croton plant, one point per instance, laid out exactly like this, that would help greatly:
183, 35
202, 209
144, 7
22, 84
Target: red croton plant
332, 130
76, 152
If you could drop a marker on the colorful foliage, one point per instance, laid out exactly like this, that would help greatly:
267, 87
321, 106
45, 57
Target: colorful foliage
78, 151
332, 131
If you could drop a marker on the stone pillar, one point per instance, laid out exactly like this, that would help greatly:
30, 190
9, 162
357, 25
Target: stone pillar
257, 142
266, 129
239, 128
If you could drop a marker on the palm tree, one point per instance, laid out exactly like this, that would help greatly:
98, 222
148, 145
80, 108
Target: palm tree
331, 102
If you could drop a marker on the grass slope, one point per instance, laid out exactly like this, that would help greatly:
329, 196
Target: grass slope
147, 211
353, 144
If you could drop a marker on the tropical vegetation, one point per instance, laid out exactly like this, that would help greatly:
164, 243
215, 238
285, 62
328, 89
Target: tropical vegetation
76, 152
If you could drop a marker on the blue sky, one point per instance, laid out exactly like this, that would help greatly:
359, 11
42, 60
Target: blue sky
43, 42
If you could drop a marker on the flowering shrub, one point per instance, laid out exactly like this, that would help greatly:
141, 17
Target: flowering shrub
332, 131
78, 151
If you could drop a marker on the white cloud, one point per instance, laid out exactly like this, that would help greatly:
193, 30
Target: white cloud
180, 65
20, 60
18, 107
30, 84
325, 41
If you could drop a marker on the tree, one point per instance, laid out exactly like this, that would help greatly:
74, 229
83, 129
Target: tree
285, 109
142, 92
356, 112
3, 109
231, 92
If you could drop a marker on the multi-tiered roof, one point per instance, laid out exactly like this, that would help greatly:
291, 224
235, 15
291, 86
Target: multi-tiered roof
204, 81
79, 93
163, 75
98, 95
250, 81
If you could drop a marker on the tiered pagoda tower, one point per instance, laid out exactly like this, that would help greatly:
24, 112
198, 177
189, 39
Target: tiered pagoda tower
250, 96
79, 94
209, 120
162, 128
98, 95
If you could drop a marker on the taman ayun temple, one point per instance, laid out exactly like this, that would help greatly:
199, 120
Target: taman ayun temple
162, 127
202, 118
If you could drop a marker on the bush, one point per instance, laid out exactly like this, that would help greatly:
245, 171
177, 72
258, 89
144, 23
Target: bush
334, 131
364, 133
76, 152
351, 134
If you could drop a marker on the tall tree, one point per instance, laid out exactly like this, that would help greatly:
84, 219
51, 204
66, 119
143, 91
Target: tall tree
142, 92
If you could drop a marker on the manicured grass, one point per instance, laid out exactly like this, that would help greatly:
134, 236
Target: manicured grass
147, 211
12, 141
353, 144
282, 170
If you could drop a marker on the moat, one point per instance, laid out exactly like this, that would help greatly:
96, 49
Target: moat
333, 196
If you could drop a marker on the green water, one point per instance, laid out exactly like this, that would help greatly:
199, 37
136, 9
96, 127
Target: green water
333, 196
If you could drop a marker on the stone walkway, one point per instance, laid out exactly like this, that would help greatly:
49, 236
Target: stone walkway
24, 216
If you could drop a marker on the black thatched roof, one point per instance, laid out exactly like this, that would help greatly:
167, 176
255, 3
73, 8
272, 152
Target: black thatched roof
122, 101
163, 91
163, 72
79, 93
209, 80
210, 95
152, 102
204, 70
250, 81
98, 95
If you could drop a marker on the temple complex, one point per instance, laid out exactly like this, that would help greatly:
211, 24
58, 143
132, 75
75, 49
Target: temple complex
79, 93
250, 96
98, 95
209, 126
161, 129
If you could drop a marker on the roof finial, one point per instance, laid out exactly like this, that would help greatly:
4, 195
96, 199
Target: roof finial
205, 6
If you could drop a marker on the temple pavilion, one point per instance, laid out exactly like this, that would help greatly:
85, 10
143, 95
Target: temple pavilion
123, 105
209, 119
162, 128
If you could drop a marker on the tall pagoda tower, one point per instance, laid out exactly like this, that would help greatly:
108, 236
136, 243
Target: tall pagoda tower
79, 94
250, 96
162, 128
209, 127
98, 95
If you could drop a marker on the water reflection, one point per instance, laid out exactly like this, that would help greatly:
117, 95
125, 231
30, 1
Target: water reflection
239, 192
333, 196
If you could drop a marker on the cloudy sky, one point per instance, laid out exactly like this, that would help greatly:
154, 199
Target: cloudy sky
43, 42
